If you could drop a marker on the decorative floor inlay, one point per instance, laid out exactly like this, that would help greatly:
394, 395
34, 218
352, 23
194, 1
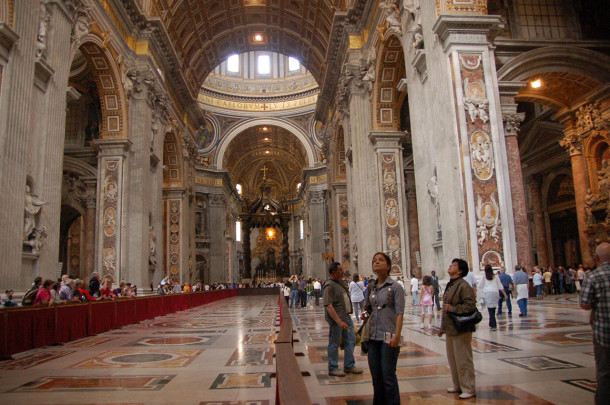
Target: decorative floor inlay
584, 383
90, 341
33, 359
248, 402
486, 395
98, 383
251, 357
188, 340
402, 373
244, 380
487, 346
258, 339
561, 338
149, 358
184, 332
539, 363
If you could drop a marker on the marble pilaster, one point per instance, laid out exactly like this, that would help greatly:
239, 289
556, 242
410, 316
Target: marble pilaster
572, 143
317, 214
218, 215
413, 227
90, 226
539, 223
112, 154
16, 110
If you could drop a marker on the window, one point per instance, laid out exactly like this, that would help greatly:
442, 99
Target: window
264, 65
542, 19
233, 64
238, 231
293, 64
301, 228
238, 188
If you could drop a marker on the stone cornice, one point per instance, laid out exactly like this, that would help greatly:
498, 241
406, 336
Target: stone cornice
7, 38
455, 30
387, 139
112, 147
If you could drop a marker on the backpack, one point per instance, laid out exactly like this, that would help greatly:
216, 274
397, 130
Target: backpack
28, 298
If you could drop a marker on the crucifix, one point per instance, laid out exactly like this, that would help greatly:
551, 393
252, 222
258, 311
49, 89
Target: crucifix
264, 170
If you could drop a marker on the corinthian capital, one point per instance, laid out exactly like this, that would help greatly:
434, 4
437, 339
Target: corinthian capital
512, 123
572, 144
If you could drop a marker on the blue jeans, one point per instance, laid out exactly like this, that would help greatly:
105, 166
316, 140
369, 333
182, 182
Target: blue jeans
294, 298
382, 363
310, 299
509, 305
349, 341
539, 290
414, 299
523, 306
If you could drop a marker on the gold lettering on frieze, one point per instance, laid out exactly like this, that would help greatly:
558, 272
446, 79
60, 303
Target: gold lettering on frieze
318, 179
206, 181
248, 106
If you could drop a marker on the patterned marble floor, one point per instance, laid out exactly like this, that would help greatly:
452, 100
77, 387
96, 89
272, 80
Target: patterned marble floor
222, 354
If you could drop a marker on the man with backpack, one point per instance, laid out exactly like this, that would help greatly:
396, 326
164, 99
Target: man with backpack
28, 298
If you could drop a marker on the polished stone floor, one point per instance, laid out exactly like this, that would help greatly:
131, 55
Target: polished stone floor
222, 353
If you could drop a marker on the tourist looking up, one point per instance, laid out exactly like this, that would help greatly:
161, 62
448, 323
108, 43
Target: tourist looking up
385, 302
337, 310
595, 296
459, 299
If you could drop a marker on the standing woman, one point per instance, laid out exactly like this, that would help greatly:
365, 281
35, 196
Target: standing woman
385, 301
491, 287
356, 292
459, 298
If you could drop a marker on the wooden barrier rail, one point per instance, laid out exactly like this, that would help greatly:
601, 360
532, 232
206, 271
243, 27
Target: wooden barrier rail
290, 386
27, 328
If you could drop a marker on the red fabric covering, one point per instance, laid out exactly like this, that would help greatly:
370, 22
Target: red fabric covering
71, 322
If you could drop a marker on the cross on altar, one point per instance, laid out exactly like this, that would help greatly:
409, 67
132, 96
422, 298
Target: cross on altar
264, 170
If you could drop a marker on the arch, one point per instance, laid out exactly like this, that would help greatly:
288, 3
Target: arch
557, 59
113, 99
547, 184
79, 166
172, 161
293, 129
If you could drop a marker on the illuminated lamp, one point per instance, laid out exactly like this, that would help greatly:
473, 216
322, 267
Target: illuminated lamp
536, 84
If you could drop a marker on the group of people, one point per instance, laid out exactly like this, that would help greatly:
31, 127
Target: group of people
173, 286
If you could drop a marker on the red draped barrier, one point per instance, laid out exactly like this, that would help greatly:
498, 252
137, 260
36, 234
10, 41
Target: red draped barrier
23, 329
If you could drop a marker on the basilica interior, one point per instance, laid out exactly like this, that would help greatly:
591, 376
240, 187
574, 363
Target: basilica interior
242, 141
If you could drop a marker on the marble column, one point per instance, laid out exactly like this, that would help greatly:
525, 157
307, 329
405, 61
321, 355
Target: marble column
572, 143
541, 238
413, 226
517, 189
90, 225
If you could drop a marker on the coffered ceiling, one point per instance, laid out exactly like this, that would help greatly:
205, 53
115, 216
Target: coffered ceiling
205, 32
276, 150
557, 89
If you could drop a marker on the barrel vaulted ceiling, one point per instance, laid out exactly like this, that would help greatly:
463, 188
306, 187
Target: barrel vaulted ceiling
205, 32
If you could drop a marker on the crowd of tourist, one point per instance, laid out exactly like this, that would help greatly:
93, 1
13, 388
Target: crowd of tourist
171, 285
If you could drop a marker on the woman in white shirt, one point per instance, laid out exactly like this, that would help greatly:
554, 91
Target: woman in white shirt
491, 287
356, 290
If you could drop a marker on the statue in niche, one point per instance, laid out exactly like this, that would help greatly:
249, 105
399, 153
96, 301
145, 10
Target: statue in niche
433, 191
590, 201
43, 28
37, 240
32, 209
152, 248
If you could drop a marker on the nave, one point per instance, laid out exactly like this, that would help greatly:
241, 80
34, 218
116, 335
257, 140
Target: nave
222, 353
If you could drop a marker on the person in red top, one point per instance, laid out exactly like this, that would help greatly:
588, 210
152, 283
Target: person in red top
81, 293
106, 292
43, 296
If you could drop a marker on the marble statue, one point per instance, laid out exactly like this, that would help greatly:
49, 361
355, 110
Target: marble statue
36, 242
152, 248
433, 191
590, 201
32, 208
392, 18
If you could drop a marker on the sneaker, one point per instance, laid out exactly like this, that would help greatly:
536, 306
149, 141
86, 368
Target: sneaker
429, 326
421, 325
466, 395
353, 370
492, 329
453, 390
337, 373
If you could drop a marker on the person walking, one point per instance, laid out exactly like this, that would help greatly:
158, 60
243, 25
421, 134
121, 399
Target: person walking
437, 290
385, 301
317, 291
538, 282
491, 287
521, 281
459, 298
338, 307
356, 290
595, 296
426, 302
506, 281
414, 289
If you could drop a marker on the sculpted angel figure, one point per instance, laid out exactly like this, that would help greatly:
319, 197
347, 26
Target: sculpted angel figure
32, 208
392, 9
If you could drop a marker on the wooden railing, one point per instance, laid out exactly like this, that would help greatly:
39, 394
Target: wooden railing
290, 387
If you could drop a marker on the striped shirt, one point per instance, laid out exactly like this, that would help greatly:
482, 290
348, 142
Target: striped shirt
595, 293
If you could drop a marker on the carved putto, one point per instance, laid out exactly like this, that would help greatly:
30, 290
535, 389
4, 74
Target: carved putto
488, 219
481, 153
590, 117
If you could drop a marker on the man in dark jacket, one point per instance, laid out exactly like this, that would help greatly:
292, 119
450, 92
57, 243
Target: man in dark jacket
94, 284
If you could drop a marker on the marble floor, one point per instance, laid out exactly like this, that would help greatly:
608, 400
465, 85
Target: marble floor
222, 354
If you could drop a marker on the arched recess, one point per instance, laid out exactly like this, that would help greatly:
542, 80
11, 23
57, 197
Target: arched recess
172, 161
387, 100
106, 74
296, 131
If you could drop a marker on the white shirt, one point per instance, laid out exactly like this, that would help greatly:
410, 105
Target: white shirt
414, 284
317, 285
471, 279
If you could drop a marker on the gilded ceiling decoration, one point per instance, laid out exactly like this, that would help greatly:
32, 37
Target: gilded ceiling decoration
558, 89
205, 32
275, 154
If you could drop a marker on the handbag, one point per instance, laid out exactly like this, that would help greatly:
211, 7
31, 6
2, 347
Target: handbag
465, 323
364, 334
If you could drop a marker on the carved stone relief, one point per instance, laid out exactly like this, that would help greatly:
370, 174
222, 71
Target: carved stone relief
481, 153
